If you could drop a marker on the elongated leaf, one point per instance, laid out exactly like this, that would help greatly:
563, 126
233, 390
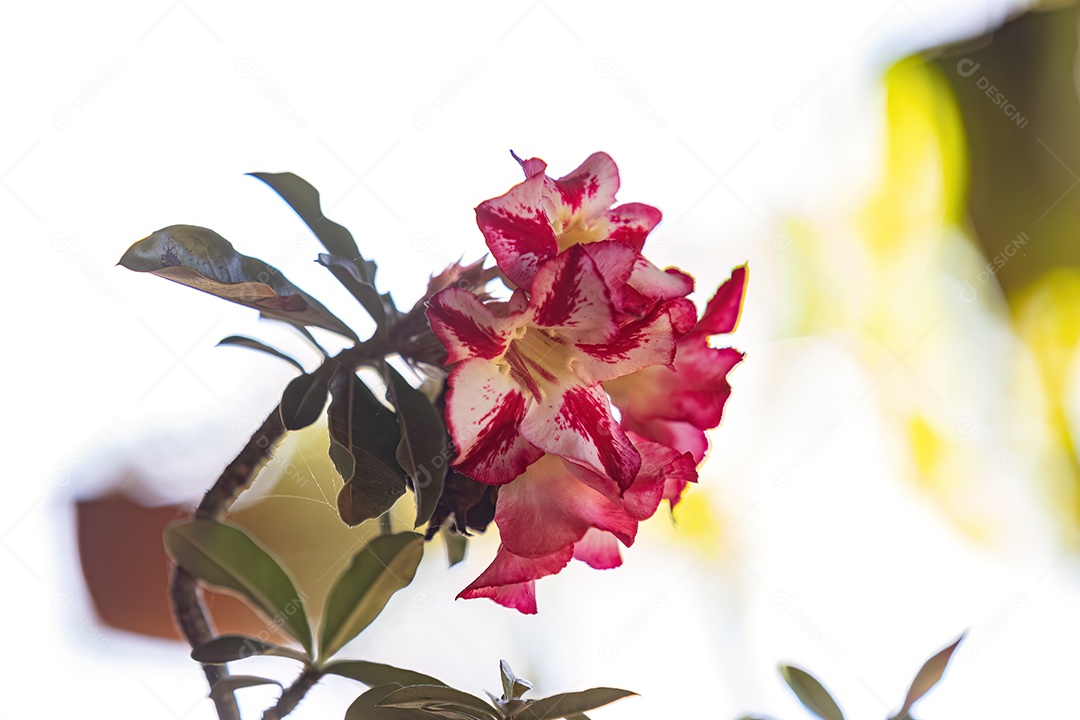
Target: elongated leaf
456, 546
432, 696
202, 259
241, 341
375, 674
424, 448
236, 682
385, 565
303, 198
229, 648
811, 693
364, 292
567, 704
513, 686
365, 707
363, 443
305, 397
929, 675
224, 556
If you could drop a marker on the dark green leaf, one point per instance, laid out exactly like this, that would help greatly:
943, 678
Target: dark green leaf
241, 341
364, 437
224, 556
433, 696
228, 648
365, 293
304, 199
424, 446
365, 707
376, 674
929, 675
235, 682
811, 693
567, 704
305, 397
513, 686
202, 259
456, 545
385, 565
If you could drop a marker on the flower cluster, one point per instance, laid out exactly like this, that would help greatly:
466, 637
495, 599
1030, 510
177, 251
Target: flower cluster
592, 325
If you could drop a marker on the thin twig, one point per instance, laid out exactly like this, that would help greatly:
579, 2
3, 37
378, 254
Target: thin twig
293, 694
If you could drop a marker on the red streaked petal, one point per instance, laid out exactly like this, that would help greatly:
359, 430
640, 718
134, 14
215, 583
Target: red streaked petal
680, 436
509, 579
657, 284
547, 508
569, 295
532, 166
600, 550
590, 189
483, 410
639, 344
722, 313
518, 230
576, 423
631, 223
467, 327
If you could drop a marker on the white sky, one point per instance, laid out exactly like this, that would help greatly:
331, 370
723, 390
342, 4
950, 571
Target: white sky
124, 118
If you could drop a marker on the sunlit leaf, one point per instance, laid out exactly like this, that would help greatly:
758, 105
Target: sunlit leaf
569, 704
365, 293
424, 446
229, 648
385, 565
202, 259
364, 437
304, 398
433, 696
236, 682
252, 343
929, 675
375, 674
224, 556
365, 707
304, 199
811, 693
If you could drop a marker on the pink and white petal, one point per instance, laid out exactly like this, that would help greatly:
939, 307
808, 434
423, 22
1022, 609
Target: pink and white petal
657, 284
614, 261
680, 436
467, 327
700, 388
548, 508
662, 467
575, 422
631, 223
484, 408
639, 344
509, 579
600, 550
722, 313
569, 295
518, 230
589, 190
532, 166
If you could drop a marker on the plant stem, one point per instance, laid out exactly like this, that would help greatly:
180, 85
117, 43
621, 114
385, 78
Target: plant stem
293, 694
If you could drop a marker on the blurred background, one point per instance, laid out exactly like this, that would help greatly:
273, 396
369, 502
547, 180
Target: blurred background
898, 461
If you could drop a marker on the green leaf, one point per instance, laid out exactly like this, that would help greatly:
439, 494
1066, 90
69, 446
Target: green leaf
929, 675
241, 341
569, 704
365, 707
376, 674
811, 693
229, 648
364, 437
305, 397
236, 682
513, 686
424, 447
224, 556
433, 696
202, 259
456, 545
303, 198
364, 292
385, 565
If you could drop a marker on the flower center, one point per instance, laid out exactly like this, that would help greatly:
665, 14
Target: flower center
538, 359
